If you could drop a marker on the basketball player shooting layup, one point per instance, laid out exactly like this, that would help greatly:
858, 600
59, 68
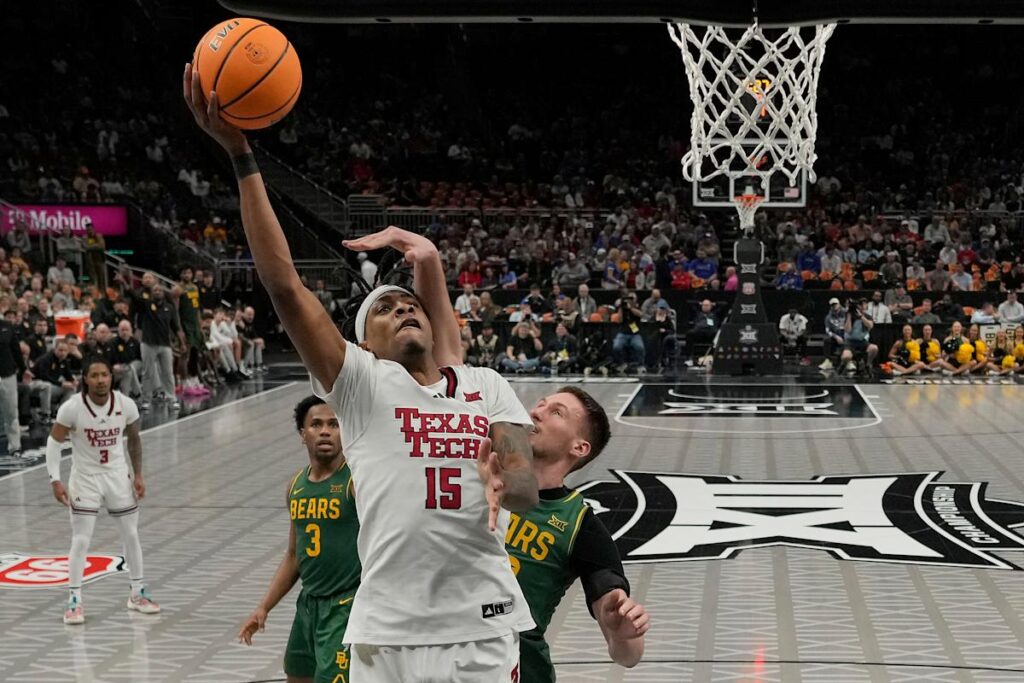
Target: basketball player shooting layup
559, 539
438, 600
321, 551
99, 422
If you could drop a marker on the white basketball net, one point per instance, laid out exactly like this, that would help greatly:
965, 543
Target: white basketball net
725, 67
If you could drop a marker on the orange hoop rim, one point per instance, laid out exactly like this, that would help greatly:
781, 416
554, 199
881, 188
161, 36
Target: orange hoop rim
748, 200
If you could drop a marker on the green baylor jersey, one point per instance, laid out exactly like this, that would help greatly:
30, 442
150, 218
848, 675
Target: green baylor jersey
539, 544
326, 528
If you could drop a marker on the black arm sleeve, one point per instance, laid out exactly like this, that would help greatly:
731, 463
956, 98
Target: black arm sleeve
596, 560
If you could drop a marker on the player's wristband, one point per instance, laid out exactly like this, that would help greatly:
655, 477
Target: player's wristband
245, 165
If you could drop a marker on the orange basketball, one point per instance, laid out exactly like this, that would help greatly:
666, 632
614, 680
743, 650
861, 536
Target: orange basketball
253, 69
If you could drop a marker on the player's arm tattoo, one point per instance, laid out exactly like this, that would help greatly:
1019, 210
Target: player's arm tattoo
134, 445
511, 442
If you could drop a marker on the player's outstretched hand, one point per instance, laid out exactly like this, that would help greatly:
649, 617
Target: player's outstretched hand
140, 487
205, 110
415, 248
60, 493
627, 617
257, 622
493, 476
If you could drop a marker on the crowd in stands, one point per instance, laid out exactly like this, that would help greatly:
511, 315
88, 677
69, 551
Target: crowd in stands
848, 340
76, 134
909, 196
164, 340
908, 193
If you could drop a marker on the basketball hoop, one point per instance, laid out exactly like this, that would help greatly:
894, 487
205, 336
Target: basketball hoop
746, 207
754, 91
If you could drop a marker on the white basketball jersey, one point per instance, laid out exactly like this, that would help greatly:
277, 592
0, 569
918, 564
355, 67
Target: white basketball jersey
97, 432
433, 573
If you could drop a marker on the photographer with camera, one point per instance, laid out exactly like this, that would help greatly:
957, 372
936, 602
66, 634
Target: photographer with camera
561, 353
857, 336
628, 347
524, 349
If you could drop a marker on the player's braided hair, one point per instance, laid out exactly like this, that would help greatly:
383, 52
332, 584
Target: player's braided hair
392, 270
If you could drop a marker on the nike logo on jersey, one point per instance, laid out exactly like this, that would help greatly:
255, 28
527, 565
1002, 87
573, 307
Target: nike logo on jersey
472, 396
298, 491
345, 601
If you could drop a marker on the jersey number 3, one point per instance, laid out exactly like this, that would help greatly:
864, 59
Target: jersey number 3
441, 480
314, 540
104, 456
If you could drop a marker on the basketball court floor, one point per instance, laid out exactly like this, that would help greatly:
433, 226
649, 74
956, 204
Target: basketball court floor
776, 532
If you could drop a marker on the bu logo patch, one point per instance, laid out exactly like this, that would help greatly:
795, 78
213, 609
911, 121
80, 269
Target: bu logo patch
32, 571
903, 518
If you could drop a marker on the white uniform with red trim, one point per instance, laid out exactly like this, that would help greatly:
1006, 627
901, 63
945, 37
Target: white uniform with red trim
100, 475
433, 574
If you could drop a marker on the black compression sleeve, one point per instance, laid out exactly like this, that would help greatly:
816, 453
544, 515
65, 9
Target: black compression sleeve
596, 560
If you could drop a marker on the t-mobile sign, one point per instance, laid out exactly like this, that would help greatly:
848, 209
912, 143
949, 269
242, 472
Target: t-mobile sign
53, 218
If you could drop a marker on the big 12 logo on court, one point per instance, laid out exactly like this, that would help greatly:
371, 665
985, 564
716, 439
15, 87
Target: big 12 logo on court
18, 570
907, 517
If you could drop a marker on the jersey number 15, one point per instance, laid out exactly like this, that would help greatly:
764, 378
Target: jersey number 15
443, 480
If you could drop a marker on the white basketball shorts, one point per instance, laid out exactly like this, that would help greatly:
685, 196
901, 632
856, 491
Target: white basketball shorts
90, 492
495, 660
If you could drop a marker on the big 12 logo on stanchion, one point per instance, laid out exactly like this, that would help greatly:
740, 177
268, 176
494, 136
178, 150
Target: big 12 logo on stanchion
18, 570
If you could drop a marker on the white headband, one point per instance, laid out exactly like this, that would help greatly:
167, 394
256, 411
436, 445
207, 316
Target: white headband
370, 300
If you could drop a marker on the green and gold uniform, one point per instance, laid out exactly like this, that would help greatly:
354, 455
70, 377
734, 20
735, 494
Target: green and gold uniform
326, 528
188, 313
549, 546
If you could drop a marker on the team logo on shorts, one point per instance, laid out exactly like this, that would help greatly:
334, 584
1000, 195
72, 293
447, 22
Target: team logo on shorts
905, 518
18, 570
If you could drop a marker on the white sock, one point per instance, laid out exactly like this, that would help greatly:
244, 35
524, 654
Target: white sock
82, 526
75, 595
129, 528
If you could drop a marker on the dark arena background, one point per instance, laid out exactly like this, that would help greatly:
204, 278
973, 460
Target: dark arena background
814, 466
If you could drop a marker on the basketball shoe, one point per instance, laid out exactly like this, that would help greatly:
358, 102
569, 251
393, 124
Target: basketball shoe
143, 603
74, 614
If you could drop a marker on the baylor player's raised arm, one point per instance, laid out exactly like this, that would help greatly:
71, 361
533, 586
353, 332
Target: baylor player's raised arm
317, 340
